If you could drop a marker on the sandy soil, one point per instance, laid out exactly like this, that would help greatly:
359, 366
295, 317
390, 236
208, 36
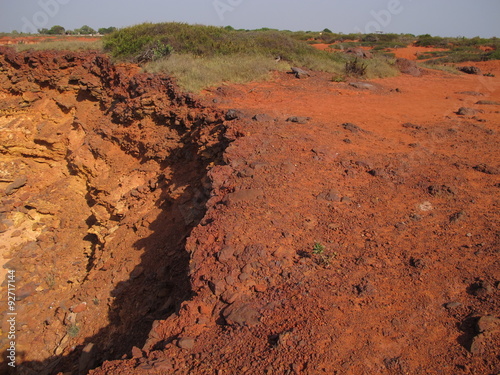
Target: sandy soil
330, 230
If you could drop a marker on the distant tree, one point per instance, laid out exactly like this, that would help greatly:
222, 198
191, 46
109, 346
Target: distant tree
15, 32
85, 30
328, 31
43, 31
57, 30
106, 30
230, 28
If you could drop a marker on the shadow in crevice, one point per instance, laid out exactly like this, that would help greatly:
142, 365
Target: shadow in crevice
469, 329
158, 285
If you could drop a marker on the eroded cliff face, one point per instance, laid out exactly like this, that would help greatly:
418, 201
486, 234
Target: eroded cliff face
103, 174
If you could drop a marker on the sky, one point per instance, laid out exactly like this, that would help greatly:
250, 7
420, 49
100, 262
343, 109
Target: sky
436, 17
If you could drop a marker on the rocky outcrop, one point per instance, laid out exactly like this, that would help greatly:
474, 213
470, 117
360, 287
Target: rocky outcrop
103, 174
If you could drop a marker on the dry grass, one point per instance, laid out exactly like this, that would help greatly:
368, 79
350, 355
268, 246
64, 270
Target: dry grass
195, 73
381, 67
61, 45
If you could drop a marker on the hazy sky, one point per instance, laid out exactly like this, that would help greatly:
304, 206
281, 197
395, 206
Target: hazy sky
437, 17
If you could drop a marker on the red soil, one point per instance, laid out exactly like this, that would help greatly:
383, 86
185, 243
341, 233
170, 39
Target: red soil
399, 189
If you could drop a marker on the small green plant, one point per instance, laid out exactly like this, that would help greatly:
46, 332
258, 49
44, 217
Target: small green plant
321, 257
318, 248
73, 330
339, 78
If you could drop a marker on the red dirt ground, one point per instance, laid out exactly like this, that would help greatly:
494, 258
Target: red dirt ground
9, 40
360, 237
410, 52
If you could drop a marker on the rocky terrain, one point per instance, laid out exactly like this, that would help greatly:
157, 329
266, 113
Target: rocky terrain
296, 226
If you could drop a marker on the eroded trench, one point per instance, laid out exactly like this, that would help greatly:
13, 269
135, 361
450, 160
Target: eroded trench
103, 175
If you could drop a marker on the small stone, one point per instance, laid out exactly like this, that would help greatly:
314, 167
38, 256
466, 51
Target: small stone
452, 305
186, 343
331, 195
362, 85
488, 324
136, 352
262, 117
233, 114
425, 206
409, 125
483, 168
244, 195
298, 119
226, 254
376, 172
456, 217
463, 111
244, 277
81, 307
487, 102
17, 184
352, 127
242, 315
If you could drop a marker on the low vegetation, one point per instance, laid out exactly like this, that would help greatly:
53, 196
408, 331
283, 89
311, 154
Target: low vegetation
202, 56
62, 45
195, 73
